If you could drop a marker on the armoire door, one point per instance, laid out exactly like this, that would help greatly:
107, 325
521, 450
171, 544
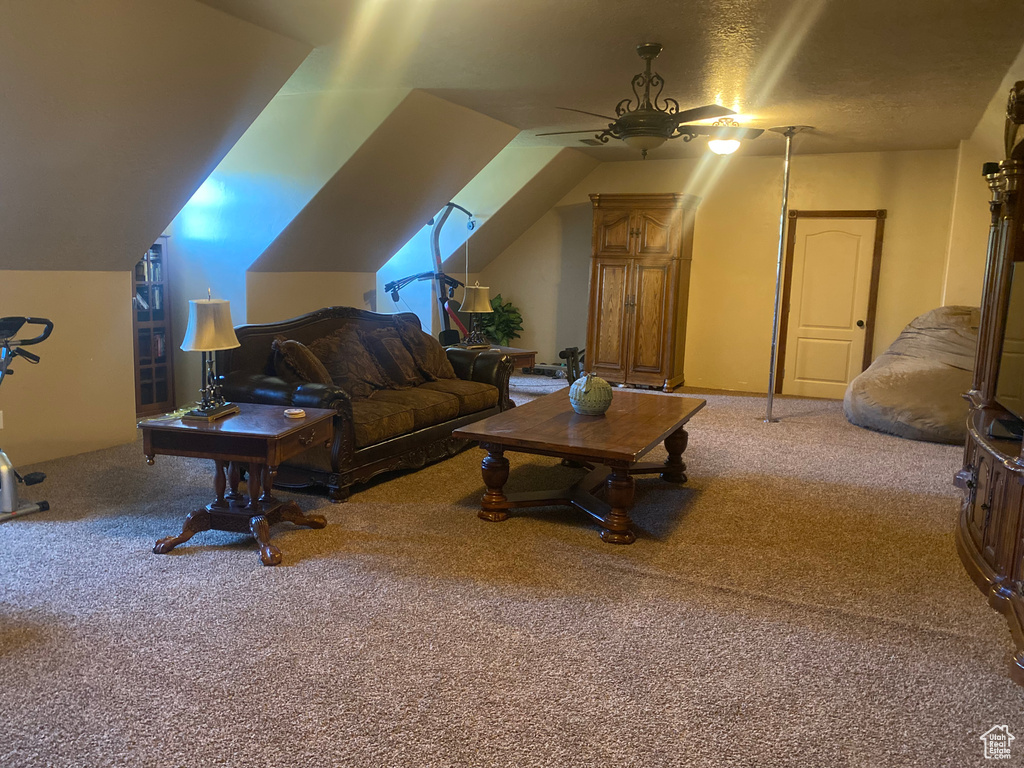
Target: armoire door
657, 233
648, 319
607, 342
613, 231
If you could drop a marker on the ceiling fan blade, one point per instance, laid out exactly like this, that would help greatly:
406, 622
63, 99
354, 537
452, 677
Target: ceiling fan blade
560, 133
703, 113
724, 131
592, 114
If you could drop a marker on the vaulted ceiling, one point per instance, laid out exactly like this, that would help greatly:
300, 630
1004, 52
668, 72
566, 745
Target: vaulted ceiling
869, 75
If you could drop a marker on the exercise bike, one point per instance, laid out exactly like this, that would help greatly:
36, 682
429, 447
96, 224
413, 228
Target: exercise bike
10, 348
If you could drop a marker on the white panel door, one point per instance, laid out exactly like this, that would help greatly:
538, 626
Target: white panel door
829, 293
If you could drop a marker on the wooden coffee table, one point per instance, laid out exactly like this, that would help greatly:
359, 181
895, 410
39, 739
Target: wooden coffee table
260, 436
610, 445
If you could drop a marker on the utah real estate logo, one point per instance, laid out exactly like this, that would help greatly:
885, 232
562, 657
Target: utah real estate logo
997, 742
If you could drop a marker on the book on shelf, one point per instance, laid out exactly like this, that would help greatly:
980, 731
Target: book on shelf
140, 302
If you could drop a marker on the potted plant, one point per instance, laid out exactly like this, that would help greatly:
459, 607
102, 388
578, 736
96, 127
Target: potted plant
501, 325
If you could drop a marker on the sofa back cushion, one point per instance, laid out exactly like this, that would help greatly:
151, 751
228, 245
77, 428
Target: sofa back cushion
386, 347
293, 362
348, 363
255, 355
426, 351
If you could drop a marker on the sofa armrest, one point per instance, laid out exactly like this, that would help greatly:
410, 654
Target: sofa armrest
270, 390
260, 388
489, 366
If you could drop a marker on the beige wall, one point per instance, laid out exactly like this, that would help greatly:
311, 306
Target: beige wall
114, 111
274, 296
969, 225
81, 396
968, 235
546, 271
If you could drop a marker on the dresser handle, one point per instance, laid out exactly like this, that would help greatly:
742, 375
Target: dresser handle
308, 440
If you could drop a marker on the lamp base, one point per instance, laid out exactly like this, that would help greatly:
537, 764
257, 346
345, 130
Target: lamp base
475, 340
212, 413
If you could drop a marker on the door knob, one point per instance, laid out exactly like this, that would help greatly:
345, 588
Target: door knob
860, 323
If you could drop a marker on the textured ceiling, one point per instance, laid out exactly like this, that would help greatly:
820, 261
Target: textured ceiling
867, 74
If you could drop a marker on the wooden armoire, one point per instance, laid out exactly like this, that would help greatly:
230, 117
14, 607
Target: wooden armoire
990, 536
639, 287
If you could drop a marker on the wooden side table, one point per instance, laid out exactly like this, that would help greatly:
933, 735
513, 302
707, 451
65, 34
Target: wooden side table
524, 359
260, 436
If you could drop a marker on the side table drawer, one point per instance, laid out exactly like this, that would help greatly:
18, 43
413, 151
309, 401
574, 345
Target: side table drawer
304, 439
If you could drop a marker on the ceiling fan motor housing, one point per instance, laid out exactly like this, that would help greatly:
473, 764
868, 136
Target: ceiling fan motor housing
646, 122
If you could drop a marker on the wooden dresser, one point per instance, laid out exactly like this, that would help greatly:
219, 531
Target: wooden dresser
639, 288
990, 534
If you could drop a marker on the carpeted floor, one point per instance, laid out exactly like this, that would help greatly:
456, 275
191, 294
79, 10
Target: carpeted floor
799, 602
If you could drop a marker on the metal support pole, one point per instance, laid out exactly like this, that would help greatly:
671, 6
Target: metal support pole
788, 132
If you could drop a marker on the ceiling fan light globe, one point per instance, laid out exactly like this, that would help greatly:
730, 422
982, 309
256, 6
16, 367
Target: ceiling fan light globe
644, 143
723, 146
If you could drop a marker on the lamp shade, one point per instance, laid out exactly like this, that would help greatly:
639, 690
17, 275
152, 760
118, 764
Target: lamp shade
477, 300
209, 326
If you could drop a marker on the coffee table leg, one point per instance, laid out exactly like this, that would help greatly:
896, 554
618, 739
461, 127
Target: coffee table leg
675, 469
620, 495
195, 522
495, 472
260, 527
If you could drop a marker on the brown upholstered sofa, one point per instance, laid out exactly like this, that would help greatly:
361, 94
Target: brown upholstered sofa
389, 416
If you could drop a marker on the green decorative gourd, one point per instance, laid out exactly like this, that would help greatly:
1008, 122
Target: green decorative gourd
590, 396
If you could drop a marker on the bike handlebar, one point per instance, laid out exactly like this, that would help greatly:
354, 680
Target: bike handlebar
47, 330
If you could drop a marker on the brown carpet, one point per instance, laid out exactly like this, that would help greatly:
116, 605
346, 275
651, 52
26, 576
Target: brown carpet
799, 602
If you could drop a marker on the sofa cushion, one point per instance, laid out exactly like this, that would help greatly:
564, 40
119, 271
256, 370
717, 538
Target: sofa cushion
394, 359
427, 407
376, 420
293, 362
349, 364
473, 395
426, 351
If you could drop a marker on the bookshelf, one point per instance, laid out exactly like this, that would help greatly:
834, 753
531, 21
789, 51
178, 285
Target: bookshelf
154, 375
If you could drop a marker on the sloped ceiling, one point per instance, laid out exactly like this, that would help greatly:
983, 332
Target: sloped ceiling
423, 153
870, 75
113, 112
520, 209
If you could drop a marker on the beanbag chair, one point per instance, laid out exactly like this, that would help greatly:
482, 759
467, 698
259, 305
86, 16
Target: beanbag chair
914, 389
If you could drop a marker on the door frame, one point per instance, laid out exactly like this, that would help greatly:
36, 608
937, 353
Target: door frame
879, 215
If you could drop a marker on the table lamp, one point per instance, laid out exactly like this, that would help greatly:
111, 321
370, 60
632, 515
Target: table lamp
476, 301
209, 330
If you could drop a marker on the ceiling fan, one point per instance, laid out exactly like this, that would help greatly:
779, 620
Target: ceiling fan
650, 124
